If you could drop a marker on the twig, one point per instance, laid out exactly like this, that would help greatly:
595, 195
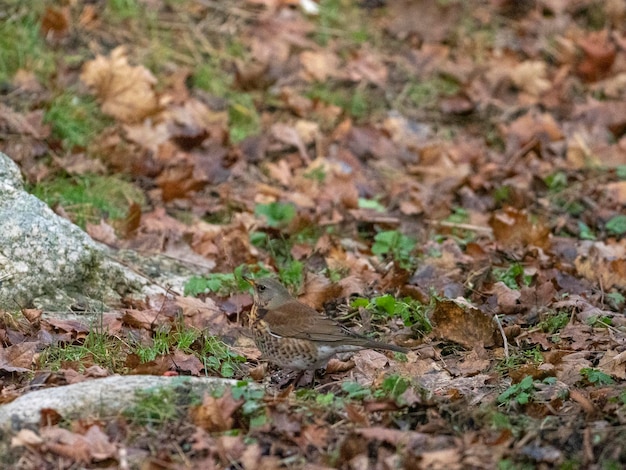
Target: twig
473, 228
506, 343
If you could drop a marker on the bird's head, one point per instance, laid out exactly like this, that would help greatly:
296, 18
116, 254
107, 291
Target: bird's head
269, 293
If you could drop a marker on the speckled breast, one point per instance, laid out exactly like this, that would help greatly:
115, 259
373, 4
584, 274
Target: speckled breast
290, 353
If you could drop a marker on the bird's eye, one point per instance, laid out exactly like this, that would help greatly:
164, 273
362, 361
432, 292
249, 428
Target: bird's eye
261, 287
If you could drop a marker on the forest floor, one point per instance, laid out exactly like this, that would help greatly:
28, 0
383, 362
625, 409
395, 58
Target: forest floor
446, 175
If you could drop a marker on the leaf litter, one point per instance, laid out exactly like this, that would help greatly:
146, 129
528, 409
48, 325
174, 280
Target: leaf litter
467, 159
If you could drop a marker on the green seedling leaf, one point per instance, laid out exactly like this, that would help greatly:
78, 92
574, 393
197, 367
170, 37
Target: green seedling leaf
371, 204
359, 302
584, 232
277, 214
617, 225
596, 377
387, 303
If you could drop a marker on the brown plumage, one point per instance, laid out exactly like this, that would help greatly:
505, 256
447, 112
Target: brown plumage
294, 335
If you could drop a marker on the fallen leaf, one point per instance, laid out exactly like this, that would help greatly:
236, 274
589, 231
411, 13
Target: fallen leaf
320, 65
125, 91
18, 357
215, 414
614, 363
463, 324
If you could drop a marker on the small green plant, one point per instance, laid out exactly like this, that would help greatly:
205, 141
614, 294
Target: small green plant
358, 103
160, 345
166, 339
427, 93
596, 377
393, 387
277, 214
584, 232
355, 391
224, 283
395, 244
96, 348
620, 172
291, 273
615, 299
124, 9
520, 392
555, 322
599, 322
218, 357
617, 225
253, 406
556, 182
373, 204
337, 17
218, 283
210, 76
513, 276
412, 312
243, 118
153, 407
522, 357
502, 194
316, 174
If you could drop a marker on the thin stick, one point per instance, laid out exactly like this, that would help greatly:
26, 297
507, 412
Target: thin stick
506, 343
473, 228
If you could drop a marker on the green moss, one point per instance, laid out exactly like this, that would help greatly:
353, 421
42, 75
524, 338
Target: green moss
359, 103
75, 119
212, 78
89, 198
243, 118
427, 93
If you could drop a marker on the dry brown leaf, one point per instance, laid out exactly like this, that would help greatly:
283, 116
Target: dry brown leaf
516, 228
365, 66
187, 362
102, 232
144, 319
125, 91
289, 135
368, 365
66, 444
215, 414
55, 24
463, 324
320, 65
530, 76
600, 54
614, 363
18, 357
318, 290
507, 298
603, 262
617, 192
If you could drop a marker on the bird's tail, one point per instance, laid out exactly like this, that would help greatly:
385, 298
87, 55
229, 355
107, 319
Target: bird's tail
387, 346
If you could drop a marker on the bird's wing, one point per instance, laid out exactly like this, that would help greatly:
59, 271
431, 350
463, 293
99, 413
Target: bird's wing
297, 320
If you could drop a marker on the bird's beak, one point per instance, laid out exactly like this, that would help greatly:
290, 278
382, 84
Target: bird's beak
248, 279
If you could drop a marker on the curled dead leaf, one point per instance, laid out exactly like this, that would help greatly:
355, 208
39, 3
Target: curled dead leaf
463, 324
216, 414
125, 91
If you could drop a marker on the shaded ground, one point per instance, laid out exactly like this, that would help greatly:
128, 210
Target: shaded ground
449, 176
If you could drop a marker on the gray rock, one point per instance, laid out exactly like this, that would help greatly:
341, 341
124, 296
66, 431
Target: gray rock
48, 262
98, 397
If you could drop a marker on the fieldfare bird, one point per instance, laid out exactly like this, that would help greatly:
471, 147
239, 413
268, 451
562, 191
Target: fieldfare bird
294, 335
